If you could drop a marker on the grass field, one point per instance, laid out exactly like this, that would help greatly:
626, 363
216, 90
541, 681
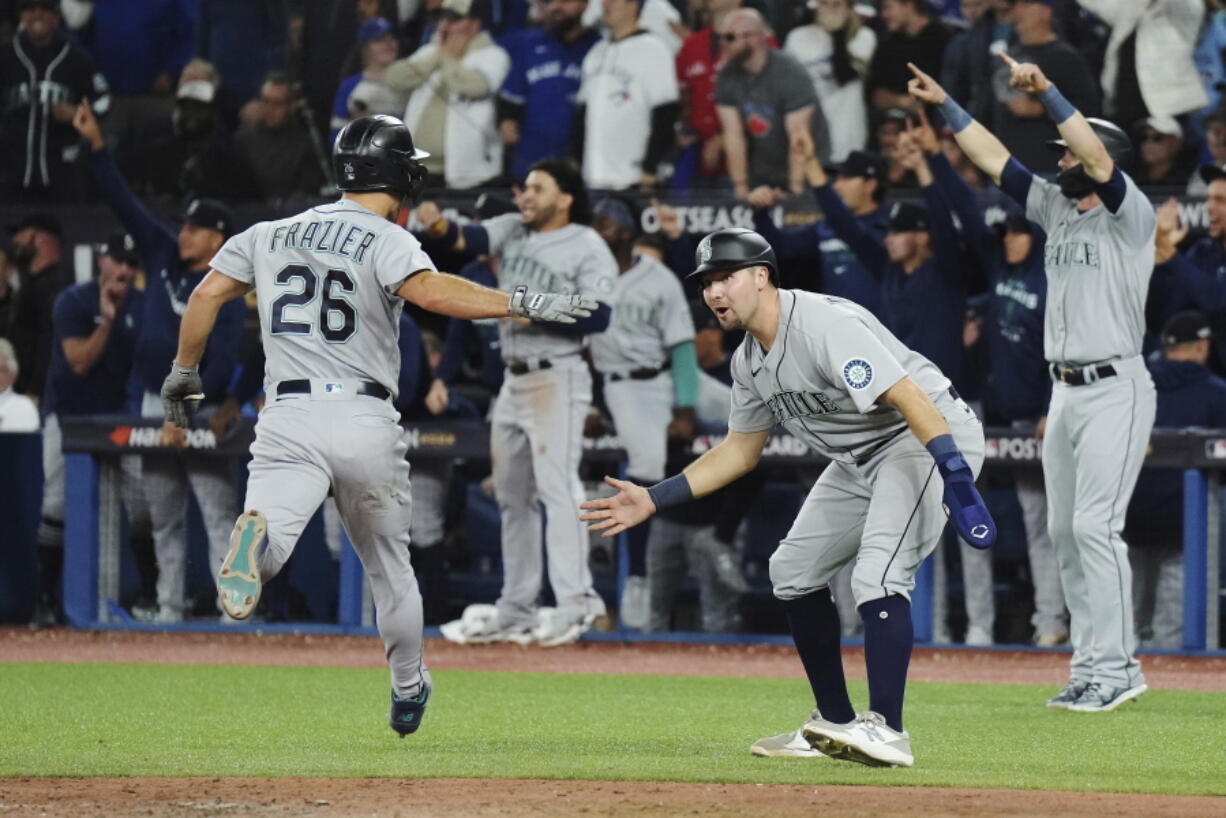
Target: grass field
174, 720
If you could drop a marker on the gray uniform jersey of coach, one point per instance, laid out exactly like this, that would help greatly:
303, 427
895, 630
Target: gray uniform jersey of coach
536, 434
652, 317
879, 501
1098, 268
326, 281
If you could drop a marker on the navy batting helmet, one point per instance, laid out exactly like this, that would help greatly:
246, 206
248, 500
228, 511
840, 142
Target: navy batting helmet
733, 248
376, 154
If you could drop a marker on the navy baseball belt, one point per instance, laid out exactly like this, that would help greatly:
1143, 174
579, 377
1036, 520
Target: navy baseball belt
644, 374
1080, 375
369, 389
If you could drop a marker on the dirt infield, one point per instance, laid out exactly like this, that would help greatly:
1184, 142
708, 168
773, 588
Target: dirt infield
444, 797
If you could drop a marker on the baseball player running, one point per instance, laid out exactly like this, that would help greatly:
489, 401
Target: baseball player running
331, 283
536, 436
1099, 258
649, 369
900, 441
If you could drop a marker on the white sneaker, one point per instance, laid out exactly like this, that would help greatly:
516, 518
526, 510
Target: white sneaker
978, 636
635, 608
867, 740
553, 631
478, 625
787, 745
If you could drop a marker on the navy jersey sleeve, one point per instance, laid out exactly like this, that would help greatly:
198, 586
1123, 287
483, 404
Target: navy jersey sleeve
147, 230
870, 251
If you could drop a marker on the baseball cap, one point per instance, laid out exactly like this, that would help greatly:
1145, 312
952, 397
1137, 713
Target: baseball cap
489, 205
618, 211
201, 91
211, 214
1167, 125
461, 8
1211, 173
906, 217
898, 116
39, 221
121, 247
862, 163
1185, 328
374, 29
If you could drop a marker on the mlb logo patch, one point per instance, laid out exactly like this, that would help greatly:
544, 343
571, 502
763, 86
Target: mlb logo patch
334, 387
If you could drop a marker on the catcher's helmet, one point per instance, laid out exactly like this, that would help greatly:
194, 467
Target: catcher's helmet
733, 248
376, 153
1117, 143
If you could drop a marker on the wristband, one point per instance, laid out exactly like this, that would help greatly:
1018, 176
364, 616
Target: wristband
946, 454
672, 491
955, 115
1057, 106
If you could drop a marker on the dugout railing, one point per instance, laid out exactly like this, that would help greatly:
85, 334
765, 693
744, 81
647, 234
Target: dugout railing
93, 524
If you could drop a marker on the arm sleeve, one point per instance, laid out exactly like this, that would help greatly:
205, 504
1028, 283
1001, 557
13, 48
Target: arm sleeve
464, 80
853, 356
684, 362
748, 412
663, 118
598, 321
409, 73
1016, 180
235, 258
787, 242
944, 236
146, 230
871, 254
961, 199
398, 255
69, 319
498, 231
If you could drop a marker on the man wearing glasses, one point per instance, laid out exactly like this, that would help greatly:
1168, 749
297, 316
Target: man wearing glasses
764, 99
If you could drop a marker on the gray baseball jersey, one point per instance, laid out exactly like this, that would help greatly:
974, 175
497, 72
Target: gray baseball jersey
326, 280
1098, 269
652, 316
821, 380
573, 259
879, 502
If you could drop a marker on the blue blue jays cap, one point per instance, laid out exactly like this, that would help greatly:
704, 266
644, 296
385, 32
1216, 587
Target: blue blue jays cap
373, 30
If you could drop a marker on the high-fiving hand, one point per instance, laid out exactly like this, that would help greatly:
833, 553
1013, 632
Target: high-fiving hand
555, 307
613, 515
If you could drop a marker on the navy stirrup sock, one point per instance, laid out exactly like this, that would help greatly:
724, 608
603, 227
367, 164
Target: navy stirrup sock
887, 653
814, 621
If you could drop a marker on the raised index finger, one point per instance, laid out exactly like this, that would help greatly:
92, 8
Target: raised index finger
1009, 61
917, 72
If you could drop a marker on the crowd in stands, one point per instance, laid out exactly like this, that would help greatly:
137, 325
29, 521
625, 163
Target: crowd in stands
207, 104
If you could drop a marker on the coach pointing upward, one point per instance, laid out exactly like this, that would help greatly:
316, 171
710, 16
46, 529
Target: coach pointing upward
1100, 255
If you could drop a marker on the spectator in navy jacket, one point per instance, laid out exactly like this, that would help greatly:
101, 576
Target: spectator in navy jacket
175, 263
860, 181
41, 274
95, 329
43, 76
1189, 396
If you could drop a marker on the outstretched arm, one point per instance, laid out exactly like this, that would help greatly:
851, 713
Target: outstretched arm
460, 298
867, 249
987, 152
1082, 142
736, 455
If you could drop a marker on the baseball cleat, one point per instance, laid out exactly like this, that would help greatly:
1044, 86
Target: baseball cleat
553, 631
867, 740
786, 745
1068, 694
238, 581
478, 625
1100, 698
407, 713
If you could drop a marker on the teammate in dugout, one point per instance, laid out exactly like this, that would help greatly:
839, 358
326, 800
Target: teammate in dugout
331, 283
649, 370
1099, 258
535, 438
900, 442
